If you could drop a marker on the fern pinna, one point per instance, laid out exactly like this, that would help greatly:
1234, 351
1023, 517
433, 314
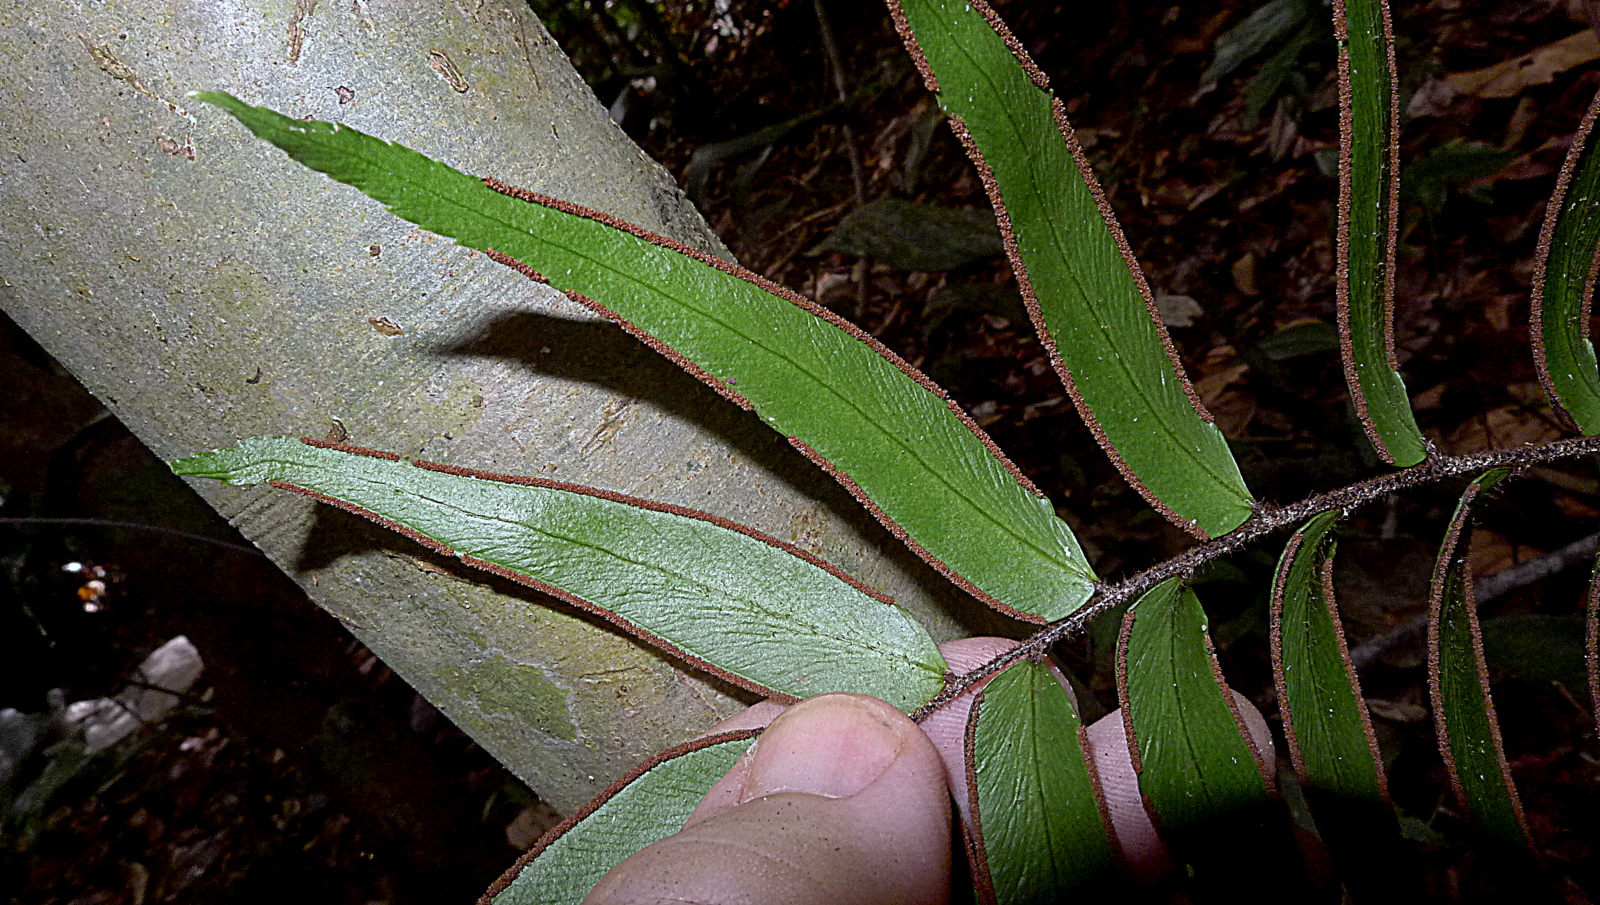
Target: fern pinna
781, 623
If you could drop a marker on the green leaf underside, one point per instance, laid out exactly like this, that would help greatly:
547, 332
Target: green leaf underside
1568, 250
1091, 303
652, 805
1367, 180
751, 610
894, 441
1329, 733
1464, 717
1194, 762
1042, 833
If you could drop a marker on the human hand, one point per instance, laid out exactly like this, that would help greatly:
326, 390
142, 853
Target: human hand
845, 800
842, 800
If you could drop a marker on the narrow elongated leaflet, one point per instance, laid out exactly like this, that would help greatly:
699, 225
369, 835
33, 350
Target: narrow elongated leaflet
1324, 716
1369, 193
1194, 761
1325, 721
757, 612
889, 435
1202, 778
1563, 283
1458, 682
1037, 811
647, 805
1088, 298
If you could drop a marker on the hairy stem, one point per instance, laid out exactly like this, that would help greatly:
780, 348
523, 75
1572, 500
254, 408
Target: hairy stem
1266, 520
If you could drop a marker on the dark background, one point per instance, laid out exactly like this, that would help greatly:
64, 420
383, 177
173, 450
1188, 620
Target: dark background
302, 766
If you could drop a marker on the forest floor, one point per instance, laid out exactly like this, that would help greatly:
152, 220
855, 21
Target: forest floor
1227, 194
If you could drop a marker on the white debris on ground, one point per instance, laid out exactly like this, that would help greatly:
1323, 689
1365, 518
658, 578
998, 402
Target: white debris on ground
153, 691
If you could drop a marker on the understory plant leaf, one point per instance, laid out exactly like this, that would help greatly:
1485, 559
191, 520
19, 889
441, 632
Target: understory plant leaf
755, 611
649, 804
1201, 776
1463, 710
1369, 171
912, 235
1324, 717
1038, 816
889, 435
1563, 283
1271, 23
1094, 311
1325, 720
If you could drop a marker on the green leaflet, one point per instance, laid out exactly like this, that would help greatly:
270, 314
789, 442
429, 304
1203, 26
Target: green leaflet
1037, 808
1369, 169
1194, 762
1458, 681
1568, 247
1077, 274
891, 438
1202, 779
648, 805
1325, 718
745, 607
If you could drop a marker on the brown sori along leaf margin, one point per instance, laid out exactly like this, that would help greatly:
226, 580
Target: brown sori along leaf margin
972, 836
1295, 756
1014, 256
733, 395
1547, 232
576, 817
1447, 554
1222, 685
558, 593
1358, 397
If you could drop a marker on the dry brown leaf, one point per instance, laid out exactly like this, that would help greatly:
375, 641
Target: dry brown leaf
1509, 78
1231, 408
1507, 426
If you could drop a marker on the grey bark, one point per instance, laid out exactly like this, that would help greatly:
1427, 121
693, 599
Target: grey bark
207, 289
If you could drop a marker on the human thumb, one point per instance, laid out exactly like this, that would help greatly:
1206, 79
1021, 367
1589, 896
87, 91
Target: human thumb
841, 800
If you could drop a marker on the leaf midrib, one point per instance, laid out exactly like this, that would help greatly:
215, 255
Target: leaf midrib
686, 580
1033, 188
1066, 566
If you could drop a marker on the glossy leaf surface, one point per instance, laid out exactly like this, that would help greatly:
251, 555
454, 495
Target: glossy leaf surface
892, 439
1563, 284
1194, 762
745, 607
1369, 169
1078, 275
1458, 680
646, 806
1325, 719
1037, 809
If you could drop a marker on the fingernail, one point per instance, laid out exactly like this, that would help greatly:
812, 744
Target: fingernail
833, 746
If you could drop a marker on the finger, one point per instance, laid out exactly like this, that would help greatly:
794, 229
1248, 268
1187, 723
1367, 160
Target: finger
947, 726
1143, 853
725, 792
842, 800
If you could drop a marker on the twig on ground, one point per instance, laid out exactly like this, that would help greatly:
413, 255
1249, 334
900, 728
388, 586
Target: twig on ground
1497, 585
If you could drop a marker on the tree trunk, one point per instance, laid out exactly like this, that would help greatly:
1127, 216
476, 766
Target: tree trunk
208, 289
